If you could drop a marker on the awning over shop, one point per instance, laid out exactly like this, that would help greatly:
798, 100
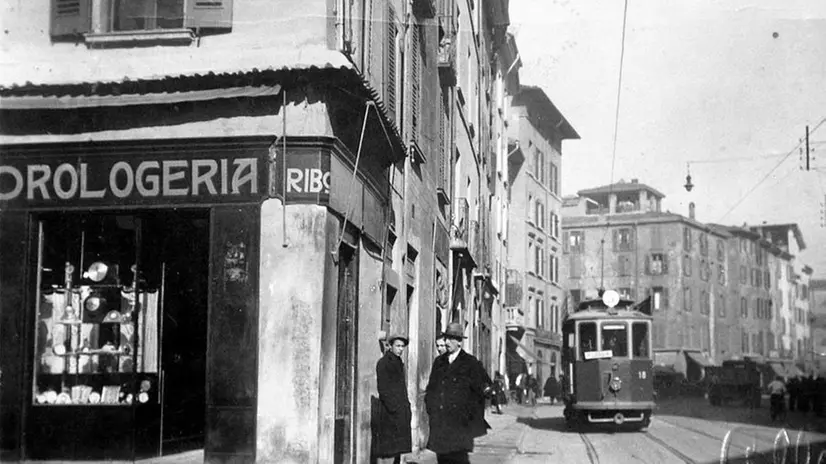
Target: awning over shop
665, 358
779, 369
30, 102
794, 371
526, 353
699, 358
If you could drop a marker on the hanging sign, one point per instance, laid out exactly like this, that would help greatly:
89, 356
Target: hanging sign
133, 180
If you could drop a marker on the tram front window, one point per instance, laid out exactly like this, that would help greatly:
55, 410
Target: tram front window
615, 338
587, 338
640, 337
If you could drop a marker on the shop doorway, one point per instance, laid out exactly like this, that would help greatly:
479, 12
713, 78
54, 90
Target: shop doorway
179, 256
346, 355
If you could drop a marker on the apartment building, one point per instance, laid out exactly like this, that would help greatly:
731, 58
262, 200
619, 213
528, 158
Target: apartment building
505, 85
794, 297
817, 288
272, 185
536, 131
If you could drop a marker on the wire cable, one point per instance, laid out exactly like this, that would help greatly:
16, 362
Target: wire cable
779, 163
614, 143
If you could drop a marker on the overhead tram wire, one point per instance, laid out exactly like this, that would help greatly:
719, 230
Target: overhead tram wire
614, 147
779, 163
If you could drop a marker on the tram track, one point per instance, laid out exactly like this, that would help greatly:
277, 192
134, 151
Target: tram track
590, 450
686, 459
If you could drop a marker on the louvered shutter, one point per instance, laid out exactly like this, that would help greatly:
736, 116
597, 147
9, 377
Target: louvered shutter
442, 148
70, 17
614, 235
648, 264
415, 82
664, 298
665, 263
390, 68
208, 14
565, 240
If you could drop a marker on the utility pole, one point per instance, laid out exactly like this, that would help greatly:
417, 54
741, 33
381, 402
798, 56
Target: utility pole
807, 148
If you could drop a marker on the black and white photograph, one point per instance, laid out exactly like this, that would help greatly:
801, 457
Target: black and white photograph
413, 231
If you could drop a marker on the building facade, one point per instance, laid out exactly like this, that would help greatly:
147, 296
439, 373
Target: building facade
818, 306
536, 131
244, 278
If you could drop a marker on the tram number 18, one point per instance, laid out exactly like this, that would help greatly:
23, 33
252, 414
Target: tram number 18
642, 374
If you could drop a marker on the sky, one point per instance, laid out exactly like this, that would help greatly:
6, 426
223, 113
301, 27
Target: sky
727, 87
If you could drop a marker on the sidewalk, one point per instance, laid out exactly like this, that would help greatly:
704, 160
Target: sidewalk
501, 441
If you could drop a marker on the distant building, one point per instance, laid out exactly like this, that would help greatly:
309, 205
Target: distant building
535, 134
817, 305
617, 237
796, 317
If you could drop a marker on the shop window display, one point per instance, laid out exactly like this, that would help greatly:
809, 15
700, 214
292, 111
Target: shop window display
97, 313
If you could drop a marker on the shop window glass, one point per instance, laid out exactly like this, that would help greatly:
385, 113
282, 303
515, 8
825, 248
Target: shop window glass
96, 333
615, 338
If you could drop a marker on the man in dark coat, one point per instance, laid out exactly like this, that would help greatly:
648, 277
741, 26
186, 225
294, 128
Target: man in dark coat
392, 433
455, 401
551, 389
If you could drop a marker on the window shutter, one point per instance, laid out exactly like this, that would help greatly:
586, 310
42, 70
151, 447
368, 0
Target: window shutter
415, 65
442, 148
208, 14
565, 239
71, 17
390, 68
648, 264
614, 235
664, 298
665, 263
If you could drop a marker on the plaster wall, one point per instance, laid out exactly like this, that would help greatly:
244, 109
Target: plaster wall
268, 33
291, 337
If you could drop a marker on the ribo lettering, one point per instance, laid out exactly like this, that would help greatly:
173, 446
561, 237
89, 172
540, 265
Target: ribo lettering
308, 180
146, 179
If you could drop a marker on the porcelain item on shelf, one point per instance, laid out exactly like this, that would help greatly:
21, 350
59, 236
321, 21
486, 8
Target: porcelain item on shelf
97, 271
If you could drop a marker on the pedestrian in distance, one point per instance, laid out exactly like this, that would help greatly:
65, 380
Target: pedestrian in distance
441, 348
551, 389
777, 392
498, 394
392, 433
455, 401
532, 387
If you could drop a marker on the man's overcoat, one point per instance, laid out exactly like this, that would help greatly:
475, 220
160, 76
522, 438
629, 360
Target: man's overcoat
392, 433
455, 403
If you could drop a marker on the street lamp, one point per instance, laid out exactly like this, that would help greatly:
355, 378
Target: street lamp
688, 185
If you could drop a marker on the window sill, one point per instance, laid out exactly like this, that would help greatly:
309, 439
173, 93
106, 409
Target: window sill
180, 36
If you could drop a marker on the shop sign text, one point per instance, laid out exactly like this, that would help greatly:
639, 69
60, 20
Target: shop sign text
105, 180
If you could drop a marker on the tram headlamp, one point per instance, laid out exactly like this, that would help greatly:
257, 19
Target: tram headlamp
615, 385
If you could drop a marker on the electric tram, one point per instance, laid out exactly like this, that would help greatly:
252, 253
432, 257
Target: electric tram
607, 361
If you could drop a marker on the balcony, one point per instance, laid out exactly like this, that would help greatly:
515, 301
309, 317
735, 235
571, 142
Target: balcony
461, 232
446, 56
514, 319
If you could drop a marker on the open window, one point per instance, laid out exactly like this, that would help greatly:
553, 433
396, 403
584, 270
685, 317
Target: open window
135, 21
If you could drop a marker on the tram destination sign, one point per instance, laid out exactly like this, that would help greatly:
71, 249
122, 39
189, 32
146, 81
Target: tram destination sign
97, 180
599, 354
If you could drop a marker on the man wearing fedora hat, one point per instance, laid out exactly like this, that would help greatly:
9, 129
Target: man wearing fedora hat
392, 432
455, 400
